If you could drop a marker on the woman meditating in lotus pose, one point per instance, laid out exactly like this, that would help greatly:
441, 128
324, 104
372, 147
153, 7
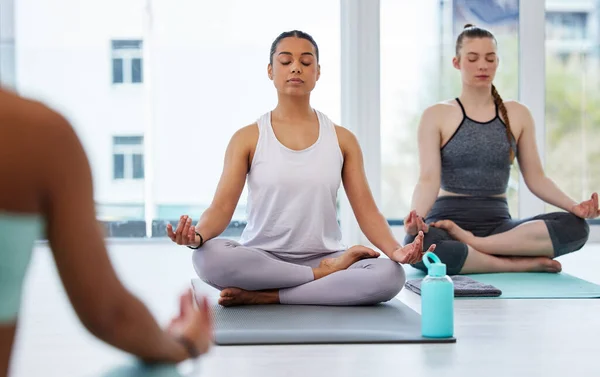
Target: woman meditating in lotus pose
466, 148
294, 159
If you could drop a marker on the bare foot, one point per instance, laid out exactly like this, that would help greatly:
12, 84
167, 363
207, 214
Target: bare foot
536, 264
455, 231
237, 296
351, 256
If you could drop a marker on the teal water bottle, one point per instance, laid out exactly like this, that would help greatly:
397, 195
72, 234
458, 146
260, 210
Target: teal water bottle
437, 300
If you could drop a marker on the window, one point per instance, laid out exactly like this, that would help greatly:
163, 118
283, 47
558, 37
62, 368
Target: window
126, 61
128, 157
417, 46
120, 212
207, 64
7, 44
572, 97
566, 25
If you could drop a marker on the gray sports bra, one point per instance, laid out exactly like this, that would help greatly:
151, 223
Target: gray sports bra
476, 160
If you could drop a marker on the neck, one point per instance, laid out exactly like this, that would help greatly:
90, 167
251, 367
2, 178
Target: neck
477, 96
293, 107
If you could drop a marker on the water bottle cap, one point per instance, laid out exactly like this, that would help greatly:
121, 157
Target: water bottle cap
437, 268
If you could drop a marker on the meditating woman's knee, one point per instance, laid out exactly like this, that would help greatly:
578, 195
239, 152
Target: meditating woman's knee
213, 261
568, 232
452, 253
389, 280
433, 236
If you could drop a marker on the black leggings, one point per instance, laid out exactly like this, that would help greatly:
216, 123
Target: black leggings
485, 216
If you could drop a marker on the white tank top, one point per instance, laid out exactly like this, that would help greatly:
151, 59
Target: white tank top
292, 195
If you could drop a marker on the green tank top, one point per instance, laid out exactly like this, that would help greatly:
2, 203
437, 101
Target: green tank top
18, 232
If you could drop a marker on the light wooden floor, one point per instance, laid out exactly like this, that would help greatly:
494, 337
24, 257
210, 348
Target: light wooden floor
495, 337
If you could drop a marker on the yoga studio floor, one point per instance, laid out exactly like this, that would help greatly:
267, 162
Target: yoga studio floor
495, 337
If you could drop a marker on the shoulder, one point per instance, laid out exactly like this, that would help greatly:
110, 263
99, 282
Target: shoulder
32, 115
516, 108
347, 140
345, 136
250, 132
42, 144
519, 115
53, 134
47, 145
442, 109
244, 140
435, 115
247, 132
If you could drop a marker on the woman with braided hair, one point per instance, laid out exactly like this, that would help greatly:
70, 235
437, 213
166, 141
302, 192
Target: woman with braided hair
466, 148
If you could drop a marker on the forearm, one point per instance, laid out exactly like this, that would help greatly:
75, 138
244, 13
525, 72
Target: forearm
132, 328
212, 223
377, 230
545, 189
424, 195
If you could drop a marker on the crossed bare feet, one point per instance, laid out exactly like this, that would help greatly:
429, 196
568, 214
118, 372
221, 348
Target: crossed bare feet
237, 296
351, 256
536, 264
454, 231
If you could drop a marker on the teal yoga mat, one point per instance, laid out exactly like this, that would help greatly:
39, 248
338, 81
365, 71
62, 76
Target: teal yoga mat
529, 285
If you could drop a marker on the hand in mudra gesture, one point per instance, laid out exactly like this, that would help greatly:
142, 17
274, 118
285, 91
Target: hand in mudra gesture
587, 209
414, 223
411, 253
185, 233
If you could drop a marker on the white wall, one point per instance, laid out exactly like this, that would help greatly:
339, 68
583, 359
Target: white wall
208, 80
63, 57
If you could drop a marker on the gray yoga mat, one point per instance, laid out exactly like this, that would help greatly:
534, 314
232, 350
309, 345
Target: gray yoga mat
391, 322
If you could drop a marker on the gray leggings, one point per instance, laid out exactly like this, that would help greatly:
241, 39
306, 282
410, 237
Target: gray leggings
223, 263
485, 216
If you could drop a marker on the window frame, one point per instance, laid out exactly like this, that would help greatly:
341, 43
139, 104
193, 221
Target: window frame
128, 150
127, 56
